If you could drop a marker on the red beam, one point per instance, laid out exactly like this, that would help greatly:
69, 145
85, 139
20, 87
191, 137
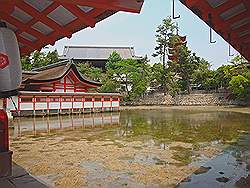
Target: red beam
42, 17
119, 5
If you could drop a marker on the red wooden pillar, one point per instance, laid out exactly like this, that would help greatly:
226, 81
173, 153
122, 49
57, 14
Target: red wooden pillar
93, 103
47, 101
5, 154
18, 104
102, 103
34, 105
64, 84
72, 104
83, 101
111, 105
60, 99
119, 100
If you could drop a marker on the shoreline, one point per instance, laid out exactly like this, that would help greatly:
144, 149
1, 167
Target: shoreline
238, 109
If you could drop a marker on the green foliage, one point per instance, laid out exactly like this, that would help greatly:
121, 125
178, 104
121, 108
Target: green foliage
240, 86
223, 75
90, 72
202, 75
238, 60
185, 68
164, 38
39, 59
110, 85
131, 76
156, 76
112, 61
192, 71
26, 64
164, 33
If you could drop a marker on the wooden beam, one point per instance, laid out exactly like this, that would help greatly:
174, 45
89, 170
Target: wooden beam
133, 6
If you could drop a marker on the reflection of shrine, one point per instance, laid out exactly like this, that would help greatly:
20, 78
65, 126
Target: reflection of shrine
50, 124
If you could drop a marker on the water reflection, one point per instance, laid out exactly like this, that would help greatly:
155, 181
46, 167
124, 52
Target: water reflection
187, 126
47, 124
229, 169
160, 139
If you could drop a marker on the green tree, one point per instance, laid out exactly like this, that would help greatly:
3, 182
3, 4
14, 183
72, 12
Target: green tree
164, 33
130, 76
203, 76
156, 76
239, 85
90, 72
185, 67
26, 64
38, 59
238, 60
223, 75
110, 85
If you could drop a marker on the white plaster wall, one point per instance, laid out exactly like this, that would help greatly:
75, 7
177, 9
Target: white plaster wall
66, 105
41, 106
88, 104
54, 105
78, 105
107, 104
97, 104
26, 106
115, 104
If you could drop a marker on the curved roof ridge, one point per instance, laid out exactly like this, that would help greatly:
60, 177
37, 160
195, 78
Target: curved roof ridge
57, 73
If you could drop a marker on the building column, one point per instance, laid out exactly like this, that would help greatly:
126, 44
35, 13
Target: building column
93, 104
102, 103
5, 153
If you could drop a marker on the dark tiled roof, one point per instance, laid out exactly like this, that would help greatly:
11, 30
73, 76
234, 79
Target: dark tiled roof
96, 52
55, 72
51, 66
27, 74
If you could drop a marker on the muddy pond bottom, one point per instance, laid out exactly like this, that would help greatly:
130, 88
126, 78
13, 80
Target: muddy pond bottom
136, 148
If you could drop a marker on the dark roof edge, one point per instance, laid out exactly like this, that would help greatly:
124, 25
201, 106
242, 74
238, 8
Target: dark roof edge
70, 66
59, 63
79, 46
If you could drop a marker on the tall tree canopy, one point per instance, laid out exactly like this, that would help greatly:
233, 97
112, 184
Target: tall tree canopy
131, 75
38, 59
164, 38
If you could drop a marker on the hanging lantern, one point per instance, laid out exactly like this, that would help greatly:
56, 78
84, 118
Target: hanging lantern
10, 66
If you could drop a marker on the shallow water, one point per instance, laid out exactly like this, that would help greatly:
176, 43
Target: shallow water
218, 141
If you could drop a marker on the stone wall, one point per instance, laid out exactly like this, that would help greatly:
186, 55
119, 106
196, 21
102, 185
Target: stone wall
202, 100
187, 100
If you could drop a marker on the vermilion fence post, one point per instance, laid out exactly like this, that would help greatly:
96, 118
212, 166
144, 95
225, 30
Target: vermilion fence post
5, 154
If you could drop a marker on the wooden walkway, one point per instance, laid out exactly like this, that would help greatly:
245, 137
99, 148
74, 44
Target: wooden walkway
21, 179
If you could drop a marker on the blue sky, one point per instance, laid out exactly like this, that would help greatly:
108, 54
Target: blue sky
138, 30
